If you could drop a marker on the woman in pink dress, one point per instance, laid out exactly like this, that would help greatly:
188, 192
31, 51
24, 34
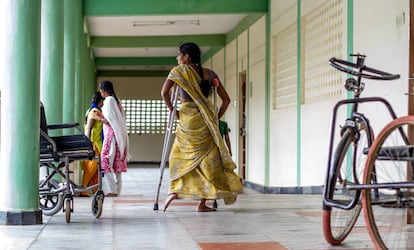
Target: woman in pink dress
114, 153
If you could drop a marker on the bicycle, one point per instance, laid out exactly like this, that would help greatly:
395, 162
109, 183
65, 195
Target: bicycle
341, 195
389, 211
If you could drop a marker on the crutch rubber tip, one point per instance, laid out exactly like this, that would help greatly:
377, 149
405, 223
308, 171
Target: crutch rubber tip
156, 206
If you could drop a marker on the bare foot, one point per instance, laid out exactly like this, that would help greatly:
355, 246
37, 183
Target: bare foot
111, 195
204, 208
169, 199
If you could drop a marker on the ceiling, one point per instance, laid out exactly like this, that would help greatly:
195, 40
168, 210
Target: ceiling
141, 37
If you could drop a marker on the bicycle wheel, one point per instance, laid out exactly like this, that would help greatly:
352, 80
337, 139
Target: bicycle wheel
348, 157
388, 211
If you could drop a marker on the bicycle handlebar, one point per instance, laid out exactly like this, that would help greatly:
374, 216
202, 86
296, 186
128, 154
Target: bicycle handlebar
373, 73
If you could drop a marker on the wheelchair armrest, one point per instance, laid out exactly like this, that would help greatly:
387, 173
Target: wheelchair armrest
63, 125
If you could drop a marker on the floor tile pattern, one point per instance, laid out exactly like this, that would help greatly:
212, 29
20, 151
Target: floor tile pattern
256, 221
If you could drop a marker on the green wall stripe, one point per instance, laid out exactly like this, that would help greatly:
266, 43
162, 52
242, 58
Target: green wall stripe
349, 50
299, 95
350, 42
155, 41
267, 100
168, 7
350, 32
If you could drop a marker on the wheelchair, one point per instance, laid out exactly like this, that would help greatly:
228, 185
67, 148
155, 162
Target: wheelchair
56, 188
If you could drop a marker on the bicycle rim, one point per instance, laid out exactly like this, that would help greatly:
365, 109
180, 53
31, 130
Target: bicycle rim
338, 223
386, 210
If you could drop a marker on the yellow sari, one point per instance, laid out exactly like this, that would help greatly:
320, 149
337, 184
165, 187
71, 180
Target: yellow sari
200, 164
90, 168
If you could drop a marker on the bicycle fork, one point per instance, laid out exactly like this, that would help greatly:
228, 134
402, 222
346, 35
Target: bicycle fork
351, 128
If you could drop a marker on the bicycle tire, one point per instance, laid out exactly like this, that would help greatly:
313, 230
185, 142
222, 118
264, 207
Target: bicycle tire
386, 209
338, 223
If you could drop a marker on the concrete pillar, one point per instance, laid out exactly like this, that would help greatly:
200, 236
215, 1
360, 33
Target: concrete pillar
51, 73
79, 63
19, 170
68, 111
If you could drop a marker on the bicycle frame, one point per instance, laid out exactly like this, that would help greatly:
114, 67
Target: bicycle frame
349, 124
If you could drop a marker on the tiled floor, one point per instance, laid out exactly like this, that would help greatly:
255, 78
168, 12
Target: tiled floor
256, 221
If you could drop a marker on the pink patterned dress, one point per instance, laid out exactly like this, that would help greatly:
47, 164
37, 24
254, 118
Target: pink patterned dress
110, 145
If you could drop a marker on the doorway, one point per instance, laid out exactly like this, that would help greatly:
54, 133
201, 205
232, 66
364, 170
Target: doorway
242, 126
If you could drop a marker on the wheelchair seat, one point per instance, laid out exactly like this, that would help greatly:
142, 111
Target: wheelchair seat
75, 146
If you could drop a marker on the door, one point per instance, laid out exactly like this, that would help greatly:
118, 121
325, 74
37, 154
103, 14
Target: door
242, 126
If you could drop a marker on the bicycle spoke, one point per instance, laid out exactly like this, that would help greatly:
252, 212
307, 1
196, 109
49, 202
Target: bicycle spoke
388, 211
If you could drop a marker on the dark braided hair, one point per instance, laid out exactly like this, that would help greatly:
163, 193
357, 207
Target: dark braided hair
109, 88
97, 98
194, 53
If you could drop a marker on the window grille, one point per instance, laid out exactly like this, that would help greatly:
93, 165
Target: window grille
146, 116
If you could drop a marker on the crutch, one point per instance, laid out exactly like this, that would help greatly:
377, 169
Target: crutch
214, 90
167, 138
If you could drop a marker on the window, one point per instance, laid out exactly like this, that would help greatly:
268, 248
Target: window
146, 116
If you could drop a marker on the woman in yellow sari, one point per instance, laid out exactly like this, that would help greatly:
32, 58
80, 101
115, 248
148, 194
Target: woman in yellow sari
200, 164
93, 130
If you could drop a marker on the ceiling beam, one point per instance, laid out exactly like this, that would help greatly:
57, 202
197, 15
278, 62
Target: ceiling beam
155, 41
132, 73
171, 7
135, 61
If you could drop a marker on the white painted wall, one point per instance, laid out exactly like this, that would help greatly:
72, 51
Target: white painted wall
230, 80
385, 43
283, 122
256, 86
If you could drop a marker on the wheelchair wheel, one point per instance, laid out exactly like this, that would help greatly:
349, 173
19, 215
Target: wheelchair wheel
389, 209
50, 203
348, 157
67, 210
97, 204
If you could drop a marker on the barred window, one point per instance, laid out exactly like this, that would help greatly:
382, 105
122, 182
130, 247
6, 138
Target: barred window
146, 116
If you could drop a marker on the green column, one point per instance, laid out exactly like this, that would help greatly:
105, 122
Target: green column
69, 62
19, 171
78, 23
92, 78
51, 73
89, 85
